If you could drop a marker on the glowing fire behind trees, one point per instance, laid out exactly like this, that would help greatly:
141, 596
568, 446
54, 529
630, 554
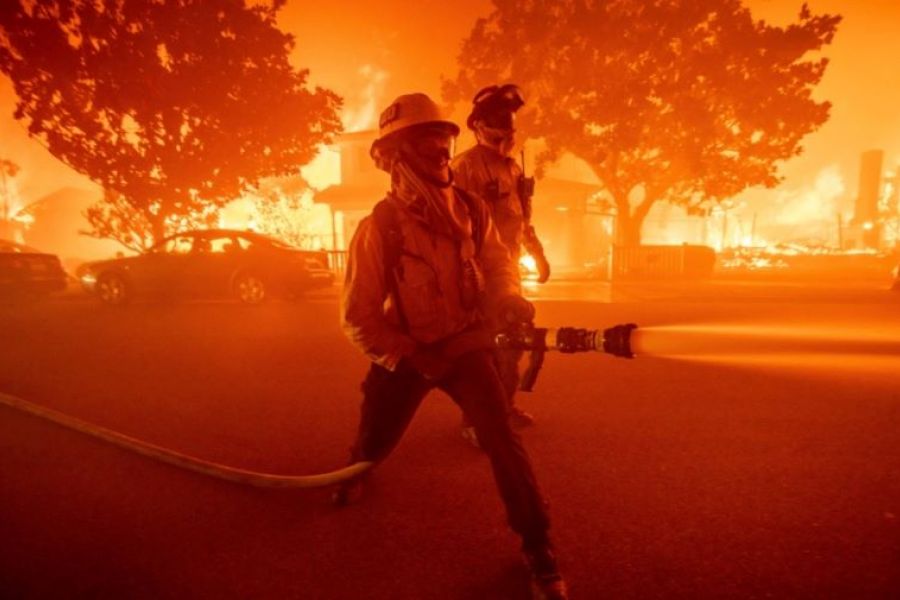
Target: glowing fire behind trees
685, 102
174, 108
8, 196
284, 207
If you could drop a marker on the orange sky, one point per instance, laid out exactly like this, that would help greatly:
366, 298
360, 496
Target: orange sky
412, 43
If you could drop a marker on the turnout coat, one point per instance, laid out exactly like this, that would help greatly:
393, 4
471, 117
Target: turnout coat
427, 277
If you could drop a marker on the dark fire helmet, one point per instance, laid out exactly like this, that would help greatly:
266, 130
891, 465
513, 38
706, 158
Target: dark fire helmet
495, 106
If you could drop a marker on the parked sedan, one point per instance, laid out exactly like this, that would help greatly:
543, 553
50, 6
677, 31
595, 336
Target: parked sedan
208, 264
26, 272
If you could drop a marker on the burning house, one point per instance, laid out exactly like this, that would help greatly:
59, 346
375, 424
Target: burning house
576, 226
55, 223
359, 188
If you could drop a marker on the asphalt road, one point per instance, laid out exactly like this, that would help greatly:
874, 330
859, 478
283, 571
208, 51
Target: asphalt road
667, 478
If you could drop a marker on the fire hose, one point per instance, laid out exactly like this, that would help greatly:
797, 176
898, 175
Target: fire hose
183, 461
615, 341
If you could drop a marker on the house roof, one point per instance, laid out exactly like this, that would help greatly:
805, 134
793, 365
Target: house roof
63, 200
351, 197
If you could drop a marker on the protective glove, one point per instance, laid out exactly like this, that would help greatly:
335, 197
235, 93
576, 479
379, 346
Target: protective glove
536, 250
515, 309
429, 364
543, 267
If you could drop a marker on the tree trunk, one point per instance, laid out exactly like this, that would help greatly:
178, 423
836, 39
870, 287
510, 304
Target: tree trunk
628, 229
158, 225
630, 223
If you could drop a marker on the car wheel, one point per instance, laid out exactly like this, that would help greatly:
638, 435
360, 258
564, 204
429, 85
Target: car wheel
249, 288
112, 289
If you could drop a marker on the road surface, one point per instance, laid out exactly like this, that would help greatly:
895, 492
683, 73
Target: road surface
667, 478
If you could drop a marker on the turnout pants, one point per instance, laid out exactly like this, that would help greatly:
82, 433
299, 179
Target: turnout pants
507, 365
507, 362
390, 399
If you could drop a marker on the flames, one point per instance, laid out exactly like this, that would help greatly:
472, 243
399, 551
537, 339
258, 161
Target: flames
817, 203
808, 215
325, 170
314, 223
528, 264
362, 116
13, 219
10, 200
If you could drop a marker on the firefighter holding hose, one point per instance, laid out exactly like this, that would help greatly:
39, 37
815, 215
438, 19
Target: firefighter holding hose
424, 271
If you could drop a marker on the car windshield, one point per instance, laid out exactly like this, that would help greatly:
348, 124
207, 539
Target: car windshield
184, 244
178, 244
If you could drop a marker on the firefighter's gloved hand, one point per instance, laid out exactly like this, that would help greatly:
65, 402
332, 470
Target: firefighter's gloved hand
536, 250
428, 363
543, 267
515, 309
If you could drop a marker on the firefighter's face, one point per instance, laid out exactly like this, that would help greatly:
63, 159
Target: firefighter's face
503, 140
430, 152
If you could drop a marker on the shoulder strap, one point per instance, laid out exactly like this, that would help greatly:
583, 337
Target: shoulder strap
385, 216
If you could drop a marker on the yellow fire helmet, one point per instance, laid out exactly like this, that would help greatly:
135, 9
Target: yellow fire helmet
406, 111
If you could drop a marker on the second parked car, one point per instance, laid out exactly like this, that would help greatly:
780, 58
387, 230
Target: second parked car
214, 263
26, 272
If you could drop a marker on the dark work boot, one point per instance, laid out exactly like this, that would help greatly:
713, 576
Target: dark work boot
519, 418
546, 582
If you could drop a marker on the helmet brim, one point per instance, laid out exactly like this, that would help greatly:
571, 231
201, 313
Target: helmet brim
448, 126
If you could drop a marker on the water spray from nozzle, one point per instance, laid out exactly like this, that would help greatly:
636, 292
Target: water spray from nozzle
717, 339
819, 347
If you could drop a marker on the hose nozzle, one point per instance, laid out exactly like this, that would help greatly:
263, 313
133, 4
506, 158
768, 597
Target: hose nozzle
617, 340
